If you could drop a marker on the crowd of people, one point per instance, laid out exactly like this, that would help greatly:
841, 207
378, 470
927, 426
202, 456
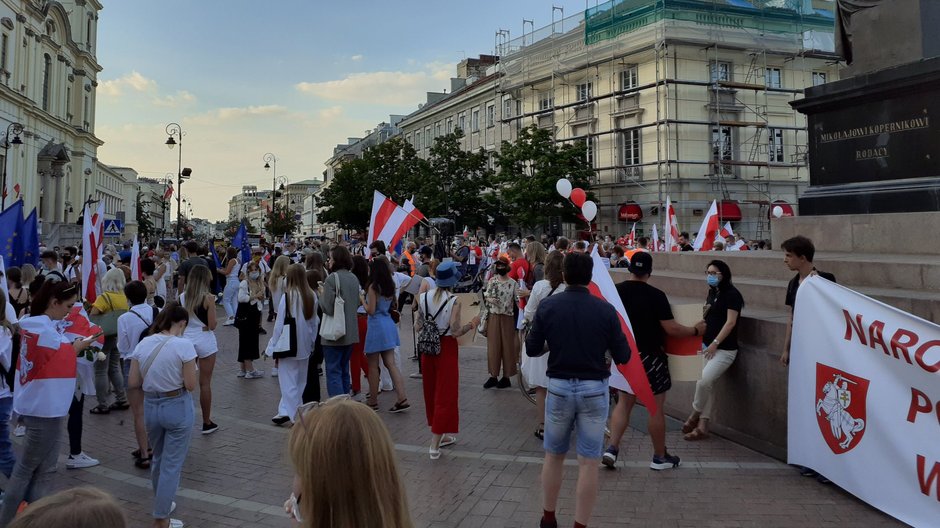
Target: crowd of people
147, 345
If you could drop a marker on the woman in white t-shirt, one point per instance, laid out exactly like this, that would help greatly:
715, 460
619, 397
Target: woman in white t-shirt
164, 367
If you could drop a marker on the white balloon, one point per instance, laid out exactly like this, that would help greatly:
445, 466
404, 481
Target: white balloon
778, 211
563, 186
589, 210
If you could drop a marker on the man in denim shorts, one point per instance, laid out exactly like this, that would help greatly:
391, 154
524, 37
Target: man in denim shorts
579, 329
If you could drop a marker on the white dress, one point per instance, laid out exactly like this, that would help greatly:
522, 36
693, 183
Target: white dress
533, 368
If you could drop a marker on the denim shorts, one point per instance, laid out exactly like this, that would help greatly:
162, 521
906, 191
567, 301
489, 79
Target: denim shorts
576, 404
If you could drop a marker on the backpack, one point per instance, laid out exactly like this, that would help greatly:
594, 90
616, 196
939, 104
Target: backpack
429, 338
146, 331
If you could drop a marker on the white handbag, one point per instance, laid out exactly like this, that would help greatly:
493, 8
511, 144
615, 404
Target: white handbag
333, 327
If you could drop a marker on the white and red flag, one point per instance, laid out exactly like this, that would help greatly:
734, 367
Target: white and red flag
671, 227
705, 240
16, 189
92, 235
630, 376
631, 238
726, 231
135, 260
655, 235
389, 222
169, 191
77, 325
45, 372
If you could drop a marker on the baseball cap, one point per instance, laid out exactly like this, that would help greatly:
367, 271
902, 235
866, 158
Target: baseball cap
641, 263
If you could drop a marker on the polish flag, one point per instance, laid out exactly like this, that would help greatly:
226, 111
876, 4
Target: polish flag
632, 373
169, 191
655, 241
389, 222
135, 260
671, 227
92, 235
631, 238
46, 370
705, 240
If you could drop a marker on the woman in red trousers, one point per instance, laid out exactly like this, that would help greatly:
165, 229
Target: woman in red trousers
358, 365
441, 307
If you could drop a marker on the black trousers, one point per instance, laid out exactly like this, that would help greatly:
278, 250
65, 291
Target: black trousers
312, 389
74, 425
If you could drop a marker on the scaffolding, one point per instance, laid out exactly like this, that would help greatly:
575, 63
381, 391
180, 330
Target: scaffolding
717, 77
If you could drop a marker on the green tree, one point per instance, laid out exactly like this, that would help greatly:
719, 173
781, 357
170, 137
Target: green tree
455, 183
392, 168
528, 171
280, 222
145, 228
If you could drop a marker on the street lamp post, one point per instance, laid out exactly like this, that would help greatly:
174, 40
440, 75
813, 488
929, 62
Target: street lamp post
174, 130
167, 181
17, 129
270, 163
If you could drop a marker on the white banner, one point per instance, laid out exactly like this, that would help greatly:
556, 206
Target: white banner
864, 400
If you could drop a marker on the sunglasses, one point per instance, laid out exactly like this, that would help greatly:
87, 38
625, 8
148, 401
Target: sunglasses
309, 406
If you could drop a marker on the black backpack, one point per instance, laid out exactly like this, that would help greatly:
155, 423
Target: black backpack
146, 331
429, 338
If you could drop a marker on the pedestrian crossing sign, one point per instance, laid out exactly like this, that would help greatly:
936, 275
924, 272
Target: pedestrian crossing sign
113, 227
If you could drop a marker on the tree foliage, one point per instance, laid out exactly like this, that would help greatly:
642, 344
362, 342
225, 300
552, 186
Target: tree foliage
146, 230
232, 227
280, 222
455, 183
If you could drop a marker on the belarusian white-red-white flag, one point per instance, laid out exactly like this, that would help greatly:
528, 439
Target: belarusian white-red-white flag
655, 241
705, 240
726, 230
169, 191
389, 222
671, 227
631, 238
45, 372
602, 287
92, 235
135, 260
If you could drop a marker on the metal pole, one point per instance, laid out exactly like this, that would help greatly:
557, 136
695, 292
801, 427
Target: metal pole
179, 191
17, 129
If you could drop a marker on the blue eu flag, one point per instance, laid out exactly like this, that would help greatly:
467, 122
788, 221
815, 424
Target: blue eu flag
11, 229
30, 239
241, 241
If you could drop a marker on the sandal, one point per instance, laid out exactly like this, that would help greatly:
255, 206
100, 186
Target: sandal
143, 463
540, 432
373, 405
400, 406
99, 409
119, 406
689, 425
448, 440
696, 434
136, 453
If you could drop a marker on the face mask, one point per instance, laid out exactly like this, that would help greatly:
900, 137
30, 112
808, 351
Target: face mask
474, 244
254, 275
713, 280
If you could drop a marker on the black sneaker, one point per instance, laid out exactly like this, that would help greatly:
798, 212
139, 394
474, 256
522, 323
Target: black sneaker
209, 428
490, 383
610, 457
664, 462
807, 472
262, 331
503, 383
280, 420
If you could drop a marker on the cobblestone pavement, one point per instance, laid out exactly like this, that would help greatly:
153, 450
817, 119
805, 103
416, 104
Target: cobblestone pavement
240, 475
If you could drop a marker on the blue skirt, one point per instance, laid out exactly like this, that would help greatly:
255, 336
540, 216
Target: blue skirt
382, 334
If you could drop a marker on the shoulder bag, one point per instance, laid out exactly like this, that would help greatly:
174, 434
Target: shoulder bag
333, 327
286, 344
108, 321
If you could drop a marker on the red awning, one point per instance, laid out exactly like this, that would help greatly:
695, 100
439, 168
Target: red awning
787, 209
729, 211
630, 212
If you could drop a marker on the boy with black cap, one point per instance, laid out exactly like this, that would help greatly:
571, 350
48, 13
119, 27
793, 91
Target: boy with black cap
651, 318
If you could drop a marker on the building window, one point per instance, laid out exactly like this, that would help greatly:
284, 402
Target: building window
428, 139
507, 108
46, 74
438, 129
583, 91
475, 120
417, 143
546, 101
491, 116
772, 78
590, 145
719, 71
462, 122
630, 147
68, 103
775, 146
450, 125
4, 46
721, 144
629, 79
819, 78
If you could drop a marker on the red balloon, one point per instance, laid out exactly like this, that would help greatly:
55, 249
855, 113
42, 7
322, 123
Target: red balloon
578, 196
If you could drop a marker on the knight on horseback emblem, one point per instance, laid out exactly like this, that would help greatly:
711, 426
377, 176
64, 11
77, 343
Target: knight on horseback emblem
841, 415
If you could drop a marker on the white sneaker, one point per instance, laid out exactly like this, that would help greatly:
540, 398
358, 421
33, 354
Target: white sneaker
20, 430
415, 375
176, 523
274, 372
241, 374
80, 460
254, 374
229, 322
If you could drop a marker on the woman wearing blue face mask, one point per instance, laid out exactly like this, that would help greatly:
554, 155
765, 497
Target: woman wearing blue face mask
720, 341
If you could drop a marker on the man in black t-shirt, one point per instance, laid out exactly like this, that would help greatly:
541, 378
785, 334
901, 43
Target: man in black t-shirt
194, 260
798, 253
684, 242
652, 320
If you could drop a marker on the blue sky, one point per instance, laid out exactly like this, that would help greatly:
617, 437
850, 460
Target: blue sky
294, 79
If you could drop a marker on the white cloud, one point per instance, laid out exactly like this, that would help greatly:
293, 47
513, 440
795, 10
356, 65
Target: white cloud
356, 58
383, 87
134, 81
172, 101
220, 115
331, 113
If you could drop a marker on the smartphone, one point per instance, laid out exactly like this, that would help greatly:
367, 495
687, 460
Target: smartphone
96, 336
